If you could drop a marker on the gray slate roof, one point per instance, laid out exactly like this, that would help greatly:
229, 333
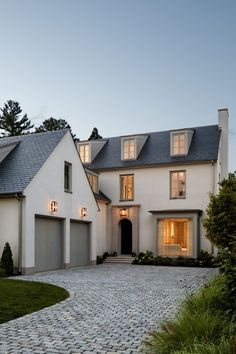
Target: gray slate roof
25, 160
156, 151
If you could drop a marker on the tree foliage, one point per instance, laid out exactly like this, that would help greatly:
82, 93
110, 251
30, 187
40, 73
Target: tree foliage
95, 135
10, 121
6, 260
220, 223
52, 124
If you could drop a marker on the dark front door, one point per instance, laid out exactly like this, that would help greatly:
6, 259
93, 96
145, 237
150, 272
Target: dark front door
126, 237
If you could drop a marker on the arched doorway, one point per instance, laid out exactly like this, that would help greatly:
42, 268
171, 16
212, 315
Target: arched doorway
126, 236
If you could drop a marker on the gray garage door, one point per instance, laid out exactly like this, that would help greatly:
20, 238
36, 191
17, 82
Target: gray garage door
48, 244
79, 244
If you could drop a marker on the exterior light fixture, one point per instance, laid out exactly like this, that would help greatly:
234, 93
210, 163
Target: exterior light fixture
83, 212
53, 206
123, 212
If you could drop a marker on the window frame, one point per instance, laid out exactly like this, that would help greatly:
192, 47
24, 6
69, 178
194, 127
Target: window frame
68, 178
123, 149
82, 156
178, 133
91, 178
171, 183
121, 187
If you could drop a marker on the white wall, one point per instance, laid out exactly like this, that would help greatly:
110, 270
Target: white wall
9, 225
152, 192
48, 185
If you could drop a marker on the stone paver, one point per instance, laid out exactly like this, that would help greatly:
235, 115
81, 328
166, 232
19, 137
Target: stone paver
110, 309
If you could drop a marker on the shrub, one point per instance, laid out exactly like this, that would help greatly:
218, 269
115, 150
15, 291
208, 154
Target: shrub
105, 255
6, 260
200, 324
206, 259
99, 260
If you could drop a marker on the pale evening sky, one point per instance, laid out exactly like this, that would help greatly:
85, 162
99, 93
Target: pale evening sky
124, 66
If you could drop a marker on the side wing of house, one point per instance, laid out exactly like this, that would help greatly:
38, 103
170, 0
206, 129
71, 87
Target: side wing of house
59, 214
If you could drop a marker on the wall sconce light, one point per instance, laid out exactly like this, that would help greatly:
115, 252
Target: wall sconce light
83, 212
53, 206
123, 212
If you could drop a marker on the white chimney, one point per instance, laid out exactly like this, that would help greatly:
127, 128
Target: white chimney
223, 117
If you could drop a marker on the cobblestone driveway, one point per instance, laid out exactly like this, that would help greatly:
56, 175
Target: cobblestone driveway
110, 309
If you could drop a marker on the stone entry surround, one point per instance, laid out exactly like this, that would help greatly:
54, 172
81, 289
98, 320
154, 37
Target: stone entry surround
133, 216
110, 309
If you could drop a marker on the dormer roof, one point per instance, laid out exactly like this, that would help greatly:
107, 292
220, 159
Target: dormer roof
203, 147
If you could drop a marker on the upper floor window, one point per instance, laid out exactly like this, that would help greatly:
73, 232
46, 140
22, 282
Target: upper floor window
93, 180
127, 187
177, 184
128, 149
68, 176
84, 151
178, 143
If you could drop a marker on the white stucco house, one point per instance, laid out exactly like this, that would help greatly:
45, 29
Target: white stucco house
153, 188
48, 212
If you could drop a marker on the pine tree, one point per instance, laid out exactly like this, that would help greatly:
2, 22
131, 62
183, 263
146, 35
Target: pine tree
94, 135
52, 124
10, 121
6, 260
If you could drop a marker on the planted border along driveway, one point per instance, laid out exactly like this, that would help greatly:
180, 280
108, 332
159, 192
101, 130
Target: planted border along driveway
110, 310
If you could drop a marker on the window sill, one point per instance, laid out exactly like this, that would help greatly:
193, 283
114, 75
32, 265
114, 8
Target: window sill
126, 200
67, 191
177, 198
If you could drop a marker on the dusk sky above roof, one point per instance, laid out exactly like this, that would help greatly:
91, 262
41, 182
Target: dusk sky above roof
123, 66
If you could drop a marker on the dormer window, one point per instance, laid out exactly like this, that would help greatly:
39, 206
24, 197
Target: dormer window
128, 149
180, 142
84, 151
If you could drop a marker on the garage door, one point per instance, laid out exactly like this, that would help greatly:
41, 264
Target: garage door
48, 244
79, 244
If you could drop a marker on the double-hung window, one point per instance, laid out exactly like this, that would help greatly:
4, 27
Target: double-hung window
177, 184
178, 143
126, 187
67, 177
93, 180
128, 149
84, 151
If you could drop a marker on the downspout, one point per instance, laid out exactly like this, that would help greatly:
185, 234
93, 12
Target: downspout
20, 200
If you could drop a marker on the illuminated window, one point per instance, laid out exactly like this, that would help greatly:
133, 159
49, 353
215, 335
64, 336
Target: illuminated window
93, 180
175, 237
178, 144
127, 187
128, 149
84, 151
177, 184
67, 177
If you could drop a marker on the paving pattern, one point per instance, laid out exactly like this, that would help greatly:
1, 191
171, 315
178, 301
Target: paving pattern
110, 310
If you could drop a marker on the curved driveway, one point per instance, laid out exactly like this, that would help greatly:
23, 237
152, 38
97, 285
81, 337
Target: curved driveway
110, 310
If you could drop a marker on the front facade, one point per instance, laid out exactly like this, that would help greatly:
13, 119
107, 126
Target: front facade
158, 186
48, 212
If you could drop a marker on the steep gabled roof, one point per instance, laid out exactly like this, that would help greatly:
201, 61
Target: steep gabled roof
24, 161
156, 151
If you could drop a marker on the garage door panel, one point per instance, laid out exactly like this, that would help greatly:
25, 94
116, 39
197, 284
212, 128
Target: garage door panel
79, 244
48, 244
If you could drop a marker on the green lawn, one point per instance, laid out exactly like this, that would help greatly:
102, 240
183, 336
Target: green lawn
18, 297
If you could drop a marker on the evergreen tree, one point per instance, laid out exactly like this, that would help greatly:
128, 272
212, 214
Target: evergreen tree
6, 260
51, 124
10, 121
94, 135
